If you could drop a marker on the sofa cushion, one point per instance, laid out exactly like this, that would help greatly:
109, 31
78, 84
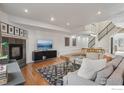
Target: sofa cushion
103, 75
116, 61
73, 79
117, 76
89, 68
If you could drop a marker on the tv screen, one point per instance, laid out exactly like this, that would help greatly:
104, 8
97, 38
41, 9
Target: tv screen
44, 44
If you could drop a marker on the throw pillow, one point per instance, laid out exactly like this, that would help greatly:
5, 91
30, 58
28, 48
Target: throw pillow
104, 74
108, 57
89, 68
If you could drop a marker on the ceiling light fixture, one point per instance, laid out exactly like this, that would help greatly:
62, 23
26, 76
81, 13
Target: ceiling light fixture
68, 24
73, 36
52, 19
99, 13
26, 10
93, 35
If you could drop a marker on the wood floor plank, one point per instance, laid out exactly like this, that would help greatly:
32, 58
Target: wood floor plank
32, 77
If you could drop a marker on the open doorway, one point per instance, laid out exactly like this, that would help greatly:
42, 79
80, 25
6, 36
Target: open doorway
111, 45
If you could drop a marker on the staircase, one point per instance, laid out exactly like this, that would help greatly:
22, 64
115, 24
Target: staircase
101, 34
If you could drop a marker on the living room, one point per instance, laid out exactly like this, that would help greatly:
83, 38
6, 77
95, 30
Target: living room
55, 45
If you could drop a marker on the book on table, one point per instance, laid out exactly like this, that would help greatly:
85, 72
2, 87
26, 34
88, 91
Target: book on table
3, 74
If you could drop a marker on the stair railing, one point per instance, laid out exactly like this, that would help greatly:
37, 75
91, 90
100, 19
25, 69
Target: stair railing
91, 42
105, 31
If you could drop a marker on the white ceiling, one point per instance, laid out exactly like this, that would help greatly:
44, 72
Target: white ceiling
77, 14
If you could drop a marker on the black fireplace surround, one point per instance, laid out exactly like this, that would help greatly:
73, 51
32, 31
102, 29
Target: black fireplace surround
15, 51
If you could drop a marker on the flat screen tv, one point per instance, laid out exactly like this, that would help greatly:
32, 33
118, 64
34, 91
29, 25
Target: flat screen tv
44, 44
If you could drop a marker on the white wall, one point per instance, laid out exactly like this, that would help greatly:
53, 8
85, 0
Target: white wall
56, 36
58, 42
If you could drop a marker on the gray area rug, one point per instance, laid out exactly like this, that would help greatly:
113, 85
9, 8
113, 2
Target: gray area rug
54, 73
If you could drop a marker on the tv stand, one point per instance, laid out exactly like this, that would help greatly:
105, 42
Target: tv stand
43, 55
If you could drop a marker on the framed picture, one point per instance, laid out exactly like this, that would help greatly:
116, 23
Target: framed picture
74, 42
11, 30
121, 42
21, 32
67, 41
16, 31
3, 27
25, 34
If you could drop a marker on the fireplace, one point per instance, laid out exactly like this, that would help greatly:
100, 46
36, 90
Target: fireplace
15, 51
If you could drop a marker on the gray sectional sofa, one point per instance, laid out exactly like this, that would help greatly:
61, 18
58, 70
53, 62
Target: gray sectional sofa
112, 74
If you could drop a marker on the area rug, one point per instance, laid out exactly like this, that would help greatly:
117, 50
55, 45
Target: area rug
54, 73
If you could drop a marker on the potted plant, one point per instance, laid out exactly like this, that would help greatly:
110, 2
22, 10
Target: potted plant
4, 45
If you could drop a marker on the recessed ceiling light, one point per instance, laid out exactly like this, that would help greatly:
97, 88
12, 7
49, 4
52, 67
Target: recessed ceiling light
26, 10
94, 35
52, 19
99, 13
68, 24
73, 36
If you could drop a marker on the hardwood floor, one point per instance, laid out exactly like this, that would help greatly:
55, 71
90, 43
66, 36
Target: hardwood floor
32, 77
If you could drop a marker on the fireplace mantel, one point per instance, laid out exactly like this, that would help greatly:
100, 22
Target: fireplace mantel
15, 42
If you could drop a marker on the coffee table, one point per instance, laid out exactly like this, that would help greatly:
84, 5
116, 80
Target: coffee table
15, 76
77, 60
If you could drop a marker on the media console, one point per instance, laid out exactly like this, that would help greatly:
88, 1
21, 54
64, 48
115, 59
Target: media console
42, 55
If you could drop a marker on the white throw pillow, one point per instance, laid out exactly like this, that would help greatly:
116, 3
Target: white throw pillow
89, 67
